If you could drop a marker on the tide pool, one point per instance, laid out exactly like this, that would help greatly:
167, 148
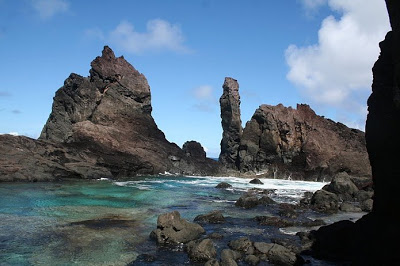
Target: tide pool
105, 222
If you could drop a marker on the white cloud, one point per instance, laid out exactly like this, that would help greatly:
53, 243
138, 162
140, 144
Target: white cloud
313, 4
204, 92
49, 8
160, 35
337, 70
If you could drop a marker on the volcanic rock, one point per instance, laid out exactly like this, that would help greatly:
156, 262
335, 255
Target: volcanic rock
223, 185
101, 126
172, 229
214, 217
203, 250
256, 181
231, 123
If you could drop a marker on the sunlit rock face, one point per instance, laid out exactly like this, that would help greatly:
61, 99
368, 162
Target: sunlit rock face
283, 142
100, 126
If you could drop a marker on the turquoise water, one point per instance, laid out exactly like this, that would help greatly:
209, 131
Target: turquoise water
104, 222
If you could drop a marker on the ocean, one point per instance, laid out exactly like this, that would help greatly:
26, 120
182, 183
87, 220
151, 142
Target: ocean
106, 222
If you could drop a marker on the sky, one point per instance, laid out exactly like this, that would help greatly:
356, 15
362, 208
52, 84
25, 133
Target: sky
318, 52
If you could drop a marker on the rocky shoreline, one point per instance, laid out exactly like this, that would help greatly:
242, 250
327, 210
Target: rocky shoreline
205, 241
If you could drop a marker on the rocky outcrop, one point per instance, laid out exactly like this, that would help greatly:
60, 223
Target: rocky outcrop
172, 229
282, 142
105, 119
231, 124
299, 144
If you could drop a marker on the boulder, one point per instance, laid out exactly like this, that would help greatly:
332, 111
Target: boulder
348, 207
247, 201
256, 181
367, 205
212, 262
194, 149
324, 201
214, 217
223, 185
201, 250
265, 200
276, 254
343, 186
242, 244
172, 229
251, 259
227, 254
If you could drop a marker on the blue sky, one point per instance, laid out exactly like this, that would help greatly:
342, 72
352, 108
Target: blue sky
318, 52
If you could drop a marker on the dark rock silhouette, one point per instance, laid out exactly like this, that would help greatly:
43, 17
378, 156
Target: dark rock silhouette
101, 126
370, 240
231, 123
289, 143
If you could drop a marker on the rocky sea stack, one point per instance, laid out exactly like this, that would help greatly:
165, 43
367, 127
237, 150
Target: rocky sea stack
100, 126
282, 142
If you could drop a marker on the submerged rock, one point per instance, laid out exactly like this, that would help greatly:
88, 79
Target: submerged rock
172, 229
214, 217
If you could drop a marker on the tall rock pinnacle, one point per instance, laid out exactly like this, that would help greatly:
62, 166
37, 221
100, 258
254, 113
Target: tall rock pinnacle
231, 123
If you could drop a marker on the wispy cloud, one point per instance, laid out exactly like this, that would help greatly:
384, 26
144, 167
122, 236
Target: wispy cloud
204, 92
4, 94
49, 8
206, 102
16, 111
337, 70
160, 36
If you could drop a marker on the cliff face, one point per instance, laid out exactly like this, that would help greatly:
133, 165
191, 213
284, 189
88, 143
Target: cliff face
231, 123
102, 122
383, 122
296, 143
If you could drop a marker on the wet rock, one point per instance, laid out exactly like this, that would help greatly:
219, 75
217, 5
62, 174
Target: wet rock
212, 262
247, 201
201, 250
215, 236
265, 200
172, 229
325, 201
363, 195
228, 262
274, 221
367, 205
223, 185
306, 200
287, 210
251, 259
227, 254
256, 181
276, 254
242, 244
231, 123
145, 258
348, 207
214, 217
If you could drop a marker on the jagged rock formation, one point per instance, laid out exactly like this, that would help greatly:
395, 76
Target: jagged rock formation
295, 143
104, 122
231, 123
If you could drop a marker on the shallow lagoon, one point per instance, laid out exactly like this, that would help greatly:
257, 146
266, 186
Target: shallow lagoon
105, 222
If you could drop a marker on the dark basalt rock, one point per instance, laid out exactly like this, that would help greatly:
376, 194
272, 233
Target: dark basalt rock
256, 181
231, 123
223, 185
201, 250
214, 217
172, 229
101, 126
